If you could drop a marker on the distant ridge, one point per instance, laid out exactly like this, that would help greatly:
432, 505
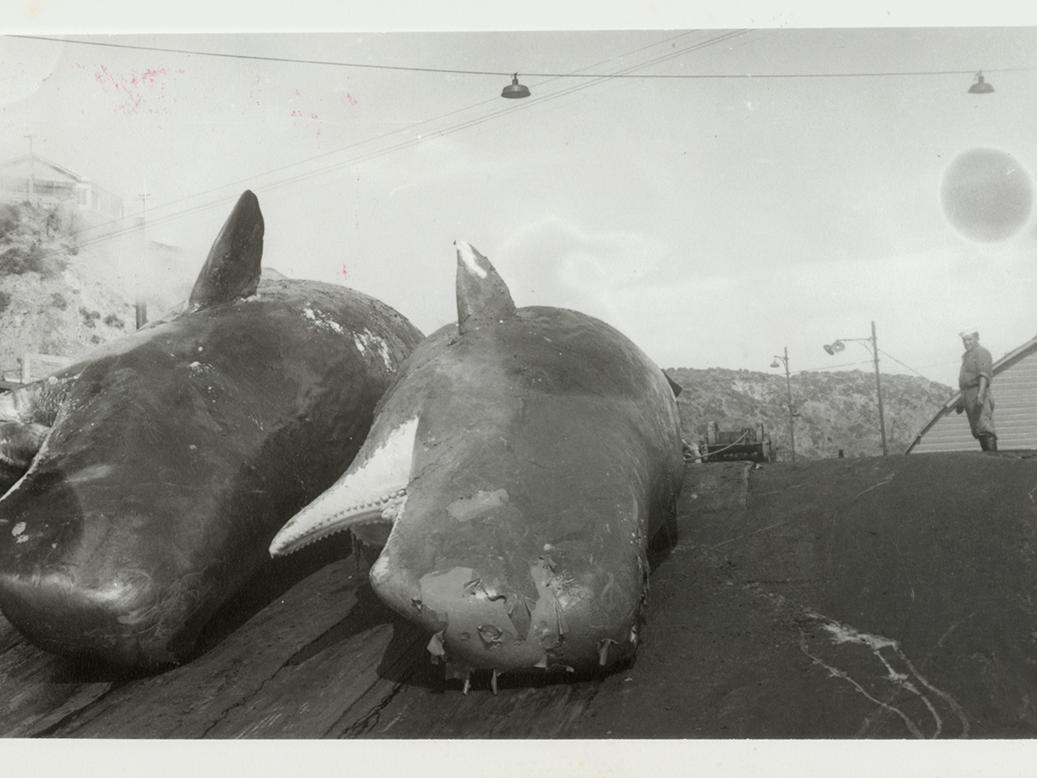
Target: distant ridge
837, 410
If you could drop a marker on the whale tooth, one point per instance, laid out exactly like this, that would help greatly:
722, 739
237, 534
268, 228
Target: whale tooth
373, 489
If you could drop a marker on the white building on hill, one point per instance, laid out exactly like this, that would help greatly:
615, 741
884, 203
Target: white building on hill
38, 180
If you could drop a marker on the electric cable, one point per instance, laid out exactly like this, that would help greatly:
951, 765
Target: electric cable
594, 81
497, 73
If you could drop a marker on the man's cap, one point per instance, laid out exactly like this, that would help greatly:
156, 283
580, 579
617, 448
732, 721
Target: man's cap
968, 331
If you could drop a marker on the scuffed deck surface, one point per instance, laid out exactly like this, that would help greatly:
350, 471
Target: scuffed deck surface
884, 597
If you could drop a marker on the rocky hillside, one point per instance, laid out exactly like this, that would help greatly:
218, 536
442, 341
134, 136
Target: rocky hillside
47, 305
60, 299
835, 410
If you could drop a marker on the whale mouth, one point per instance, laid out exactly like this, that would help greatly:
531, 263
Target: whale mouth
366, 519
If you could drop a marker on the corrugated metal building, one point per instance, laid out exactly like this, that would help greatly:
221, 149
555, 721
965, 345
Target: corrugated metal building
1015, 410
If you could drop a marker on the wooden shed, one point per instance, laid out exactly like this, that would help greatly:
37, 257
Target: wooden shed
1015, 410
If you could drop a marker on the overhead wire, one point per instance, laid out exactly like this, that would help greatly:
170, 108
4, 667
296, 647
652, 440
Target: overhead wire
458, 127
366, 141
488, 117
498, 73
902, 364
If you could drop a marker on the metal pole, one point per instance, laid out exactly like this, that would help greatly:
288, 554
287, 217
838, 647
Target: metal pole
788, 387
32, 171
878, 387
140, 306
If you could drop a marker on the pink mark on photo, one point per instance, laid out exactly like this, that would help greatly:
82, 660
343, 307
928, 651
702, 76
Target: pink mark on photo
345, 273
132, 87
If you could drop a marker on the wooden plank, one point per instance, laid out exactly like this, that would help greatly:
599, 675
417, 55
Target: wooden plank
36, 691
9, 636
189, 701
305, 700
310, 696
547, 711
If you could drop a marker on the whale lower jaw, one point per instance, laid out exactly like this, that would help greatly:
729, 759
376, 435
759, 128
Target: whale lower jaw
373, 491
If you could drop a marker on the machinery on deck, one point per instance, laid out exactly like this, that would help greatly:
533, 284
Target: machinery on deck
744, 444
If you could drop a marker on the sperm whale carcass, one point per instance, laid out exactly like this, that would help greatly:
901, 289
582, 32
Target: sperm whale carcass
153, 473
513, 477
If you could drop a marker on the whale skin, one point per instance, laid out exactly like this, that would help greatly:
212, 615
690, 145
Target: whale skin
512, 480
153, 473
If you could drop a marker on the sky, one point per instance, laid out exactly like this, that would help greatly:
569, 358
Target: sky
750, 185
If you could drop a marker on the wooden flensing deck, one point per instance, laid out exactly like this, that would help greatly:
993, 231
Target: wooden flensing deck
845, 598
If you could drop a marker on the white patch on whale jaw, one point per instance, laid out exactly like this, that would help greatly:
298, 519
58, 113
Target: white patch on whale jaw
371, 491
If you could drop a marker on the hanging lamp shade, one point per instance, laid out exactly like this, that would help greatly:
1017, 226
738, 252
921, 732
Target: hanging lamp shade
980, 87
515, 90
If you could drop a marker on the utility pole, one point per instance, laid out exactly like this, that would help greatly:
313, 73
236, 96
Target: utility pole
32, 171
836, 346
143, 197
788, 387
139, 305
878, 387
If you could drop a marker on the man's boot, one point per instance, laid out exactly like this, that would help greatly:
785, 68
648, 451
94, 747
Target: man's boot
992, 443
984, 442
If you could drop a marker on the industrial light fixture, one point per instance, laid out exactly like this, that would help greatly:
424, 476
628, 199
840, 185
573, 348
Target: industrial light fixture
515, 90
980, 87
832, 348
837, 345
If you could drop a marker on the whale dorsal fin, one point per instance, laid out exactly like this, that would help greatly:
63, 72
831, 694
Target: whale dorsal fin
232, 269
482, 296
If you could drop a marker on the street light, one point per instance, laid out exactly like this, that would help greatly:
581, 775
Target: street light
838, 345
981, 86
788, 386
515, 90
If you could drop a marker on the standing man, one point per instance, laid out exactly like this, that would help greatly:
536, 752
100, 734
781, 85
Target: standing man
974, 381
